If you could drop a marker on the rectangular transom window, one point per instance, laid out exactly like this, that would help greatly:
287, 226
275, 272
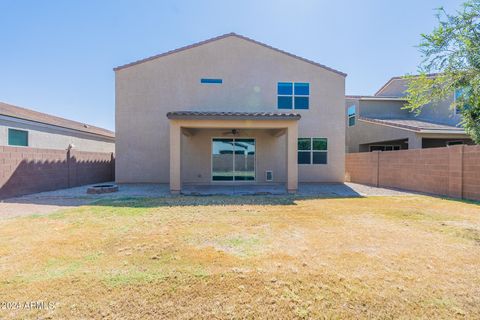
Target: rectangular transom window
293, 95
211, 81
351, 115
312, 150
17, 137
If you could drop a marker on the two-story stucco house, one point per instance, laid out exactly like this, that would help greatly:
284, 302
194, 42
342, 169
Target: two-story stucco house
379, 122
229, 110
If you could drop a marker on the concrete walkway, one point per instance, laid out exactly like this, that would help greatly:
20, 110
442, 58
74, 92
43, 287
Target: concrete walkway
47, 202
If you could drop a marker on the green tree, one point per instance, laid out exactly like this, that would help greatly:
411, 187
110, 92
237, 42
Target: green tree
452, 53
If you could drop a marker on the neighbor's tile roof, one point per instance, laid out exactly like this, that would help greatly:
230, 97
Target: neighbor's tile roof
413, 124
363, 97
396, 78
231, 34
212, 115
35, 116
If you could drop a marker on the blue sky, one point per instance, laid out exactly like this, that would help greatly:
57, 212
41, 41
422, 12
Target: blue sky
57, 56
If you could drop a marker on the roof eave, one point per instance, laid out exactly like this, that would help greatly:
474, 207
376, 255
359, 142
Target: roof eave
367, 98
462, 132
232, 117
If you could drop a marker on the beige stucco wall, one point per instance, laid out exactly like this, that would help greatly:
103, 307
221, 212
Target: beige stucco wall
50, 137
441, 112
383, 109
250, 73
393, 88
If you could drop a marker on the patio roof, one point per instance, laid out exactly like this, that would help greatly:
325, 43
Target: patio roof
285, 124
216, 115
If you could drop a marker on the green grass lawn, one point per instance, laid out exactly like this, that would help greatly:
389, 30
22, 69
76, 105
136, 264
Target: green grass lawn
246, 257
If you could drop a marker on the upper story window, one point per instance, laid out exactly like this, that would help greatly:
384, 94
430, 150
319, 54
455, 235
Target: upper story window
211, 81
351, 115
17, 137
293, 95
460, 93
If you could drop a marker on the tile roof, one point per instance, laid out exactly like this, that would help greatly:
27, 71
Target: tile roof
231, 34
212, 115
374, 97
430, 75
414, 124
35, 116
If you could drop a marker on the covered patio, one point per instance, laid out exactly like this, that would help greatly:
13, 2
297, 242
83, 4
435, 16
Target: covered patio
227, 149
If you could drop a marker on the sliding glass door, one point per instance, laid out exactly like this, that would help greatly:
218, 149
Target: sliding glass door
244, 159
233, 159
222, 160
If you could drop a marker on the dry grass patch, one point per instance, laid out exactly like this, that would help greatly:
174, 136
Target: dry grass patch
247, 257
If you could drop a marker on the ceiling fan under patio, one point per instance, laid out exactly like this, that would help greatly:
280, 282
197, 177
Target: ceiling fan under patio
232, 132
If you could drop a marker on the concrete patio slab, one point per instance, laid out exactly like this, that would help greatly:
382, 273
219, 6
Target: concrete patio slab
233, 190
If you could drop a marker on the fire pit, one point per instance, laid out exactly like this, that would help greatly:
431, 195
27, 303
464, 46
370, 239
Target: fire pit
102, 188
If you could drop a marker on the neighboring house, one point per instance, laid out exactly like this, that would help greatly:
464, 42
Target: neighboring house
378, 123
27, 128
229, 110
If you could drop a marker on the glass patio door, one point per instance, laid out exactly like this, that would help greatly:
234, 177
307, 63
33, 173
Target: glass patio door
233, 159
244, 159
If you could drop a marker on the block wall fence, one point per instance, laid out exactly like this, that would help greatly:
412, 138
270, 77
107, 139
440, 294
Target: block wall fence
451, 171
30, 170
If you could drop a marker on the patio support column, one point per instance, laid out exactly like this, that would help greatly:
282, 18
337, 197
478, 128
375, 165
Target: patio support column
175, 157
292, 165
